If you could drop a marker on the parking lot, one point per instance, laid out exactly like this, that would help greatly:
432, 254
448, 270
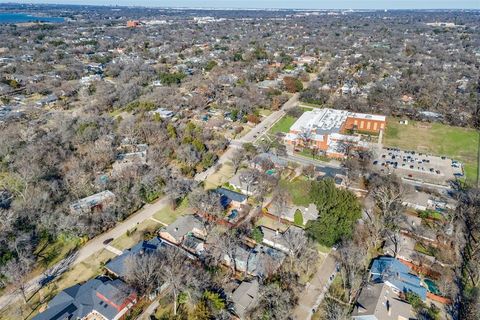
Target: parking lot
418, 166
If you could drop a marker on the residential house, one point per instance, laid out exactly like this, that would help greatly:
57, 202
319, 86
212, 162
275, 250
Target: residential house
277, 161
229, 198
277, 239
96, 202
184, 226
397, 276
99, 298
377, 301
127, 160
117, 267
239, 184
245, 298
403, 247
163, 113
260, 261
288, 212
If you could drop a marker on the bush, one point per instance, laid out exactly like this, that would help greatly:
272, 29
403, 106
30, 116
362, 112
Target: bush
298, 218
257, 235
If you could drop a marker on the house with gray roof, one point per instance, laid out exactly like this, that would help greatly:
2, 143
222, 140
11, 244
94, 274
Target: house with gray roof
258, 262
95, 202
99, 298
184, 226
377, 301
245, 298
116, 266
229, 197
277, 239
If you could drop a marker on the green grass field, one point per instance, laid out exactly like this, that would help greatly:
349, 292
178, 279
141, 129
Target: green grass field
299, 190
283, 125
437, 139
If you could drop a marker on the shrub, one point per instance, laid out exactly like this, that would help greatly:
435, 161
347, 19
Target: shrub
298, 218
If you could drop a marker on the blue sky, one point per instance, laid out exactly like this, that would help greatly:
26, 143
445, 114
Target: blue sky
309, 4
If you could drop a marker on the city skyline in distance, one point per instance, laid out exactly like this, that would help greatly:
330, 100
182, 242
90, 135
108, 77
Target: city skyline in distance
274, 4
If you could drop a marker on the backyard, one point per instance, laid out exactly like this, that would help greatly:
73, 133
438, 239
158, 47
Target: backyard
167, 215
219, 177
298, 189
458, 143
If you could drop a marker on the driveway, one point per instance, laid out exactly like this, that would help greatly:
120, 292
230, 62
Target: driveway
314, 292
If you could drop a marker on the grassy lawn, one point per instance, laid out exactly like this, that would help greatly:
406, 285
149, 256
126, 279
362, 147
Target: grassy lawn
437, 139
308, 154
50, 253
272, 224
265, 112
323, 249
432, 214
220, 177
309, 106
299, 190
136, 235
81, 272
167, 215
283, 125
429, 251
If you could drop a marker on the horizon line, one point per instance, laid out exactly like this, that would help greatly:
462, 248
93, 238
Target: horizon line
234, 8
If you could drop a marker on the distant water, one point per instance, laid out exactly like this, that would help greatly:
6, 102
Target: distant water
6, 18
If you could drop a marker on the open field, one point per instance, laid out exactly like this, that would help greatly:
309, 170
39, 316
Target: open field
437, 139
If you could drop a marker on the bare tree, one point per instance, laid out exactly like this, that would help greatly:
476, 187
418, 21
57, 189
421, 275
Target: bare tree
142, 271
334, 310
179, 272
238, 157
275, 303
177, 188
388, 193
280, 201
352, 268
250, 177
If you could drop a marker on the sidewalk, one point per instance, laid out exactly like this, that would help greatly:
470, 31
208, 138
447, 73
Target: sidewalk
313, 294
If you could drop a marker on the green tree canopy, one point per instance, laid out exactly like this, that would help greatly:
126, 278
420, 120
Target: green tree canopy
338, 210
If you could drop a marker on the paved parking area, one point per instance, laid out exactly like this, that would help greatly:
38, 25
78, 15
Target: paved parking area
418, 166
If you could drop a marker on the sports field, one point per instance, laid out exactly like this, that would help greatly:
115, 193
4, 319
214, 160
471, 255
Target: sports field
437, 139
